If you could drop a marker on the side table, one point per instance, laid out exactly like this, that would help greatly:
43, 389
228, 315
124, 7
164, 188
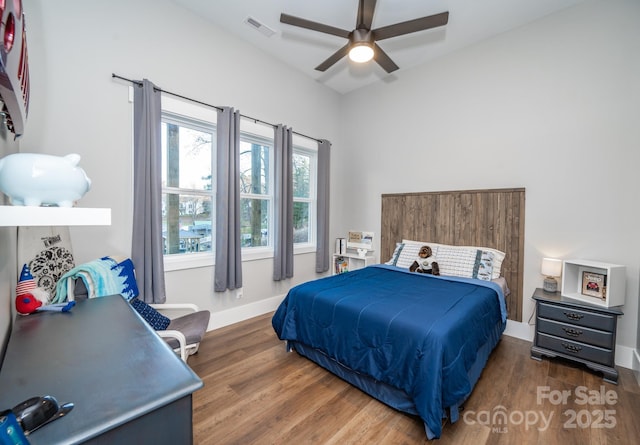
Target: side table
577, 331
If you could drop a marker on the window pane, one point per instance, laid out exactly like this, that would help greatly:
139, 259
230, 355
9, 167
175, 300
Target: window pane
186, 157
301, 175
254, 222
301, 222
254, 168
186, 223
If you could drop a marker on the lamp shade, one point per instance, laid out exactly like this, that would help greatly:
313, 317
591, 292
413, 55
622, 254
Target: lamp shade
551, 267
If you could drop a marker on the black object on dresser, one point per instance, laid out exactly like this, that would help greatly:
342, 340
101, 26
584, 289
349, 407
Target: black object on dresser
577, 331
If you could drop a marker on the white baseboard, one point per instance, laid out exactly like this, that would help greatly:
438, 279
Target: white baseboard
224, 318
636, 365
520, 330
625, 356
244, 312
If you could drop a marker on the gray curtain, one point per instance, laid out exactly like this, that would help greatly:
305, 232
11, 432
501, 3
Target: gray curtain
228, 270
283, 194
322, 237
147, 248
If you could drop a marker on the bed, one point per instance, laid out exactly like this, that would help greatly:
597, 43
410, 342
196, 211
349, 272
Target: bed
416, 342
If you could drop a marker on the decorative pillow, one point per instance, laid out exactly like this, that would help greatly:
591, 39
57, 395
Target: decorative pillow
498, 258
410, 250
47, 252
157, 321
483, 268
395, 254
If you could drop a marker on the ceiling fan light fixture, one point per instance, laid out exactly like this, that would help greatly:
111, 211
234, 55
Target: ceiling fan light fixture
362, 46
361, 53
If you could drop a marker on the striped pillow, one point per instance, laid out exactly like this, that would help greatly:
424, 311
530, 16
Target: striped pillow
409, 252
460, 261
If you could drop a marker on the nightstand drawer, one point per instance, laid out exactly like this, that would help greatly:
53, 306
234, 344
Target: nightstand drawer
576, 349
603, 322
577, 333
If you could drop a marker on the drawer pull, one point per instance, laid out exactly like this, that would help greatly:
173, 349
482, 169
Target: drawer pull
572, 332
572, 348
573, 315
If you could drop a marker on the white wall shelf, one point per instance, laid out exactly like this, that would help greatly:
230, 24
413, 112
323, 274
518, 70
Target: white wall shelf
13, 216
615, 286
347, 262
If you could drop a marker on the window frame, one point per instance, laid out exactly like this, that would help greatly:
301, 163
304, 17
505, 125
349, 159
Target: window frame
183, 111
202, 118
302, 148
257, 135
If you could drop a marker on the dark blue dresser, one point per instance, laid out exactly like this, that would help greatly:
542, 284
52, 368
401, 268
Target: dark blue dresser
128, 387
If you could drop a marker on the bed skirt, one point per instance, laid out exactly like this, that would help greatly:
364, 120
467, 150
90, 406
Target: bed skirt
389, 395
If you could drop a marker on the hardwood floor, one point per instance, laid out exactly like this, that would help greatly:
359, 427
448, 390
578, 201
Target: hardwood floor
257, 393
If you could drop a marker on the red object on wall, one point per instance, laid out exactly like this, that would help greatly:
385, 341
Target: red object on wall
14, 66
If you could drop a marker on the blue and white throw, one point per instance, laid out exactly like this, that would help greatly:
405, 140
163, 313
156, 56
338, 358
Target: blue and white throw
102, 277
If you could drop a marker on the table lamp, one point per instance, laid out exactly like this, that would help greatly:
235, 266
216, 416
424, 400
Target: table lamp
551, 268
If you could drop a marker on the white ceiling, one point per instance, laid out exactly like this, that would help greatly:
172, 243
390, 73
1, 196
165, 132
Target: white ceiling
470, 21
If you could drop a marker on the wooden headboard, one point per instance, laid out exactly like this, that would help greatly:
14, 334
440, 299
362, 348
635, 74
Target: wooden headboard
487, 218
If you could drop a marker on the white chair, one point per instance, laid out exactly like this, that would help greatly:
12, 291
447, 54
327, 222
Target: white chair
187, 324
187, 328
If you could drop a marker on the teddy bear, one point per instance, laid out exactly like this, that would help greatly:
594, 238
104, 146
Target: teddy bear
425, 263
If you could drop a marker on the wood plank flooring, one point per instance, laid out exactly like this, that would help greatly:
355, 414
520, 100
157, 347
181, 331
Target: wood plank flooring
257, 393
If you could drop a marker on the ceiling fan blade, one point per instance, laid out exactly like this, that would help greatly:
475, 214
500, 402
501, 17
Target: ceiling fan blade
432, 21
334, 58
383, 59
365, 13
314, 26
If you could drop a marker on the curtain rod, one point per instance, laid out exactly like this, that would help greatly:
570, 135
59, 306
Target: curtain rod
137, 82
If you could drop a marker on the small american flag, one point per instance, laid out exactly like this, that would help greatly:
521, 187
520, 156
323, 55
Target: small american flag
26, 283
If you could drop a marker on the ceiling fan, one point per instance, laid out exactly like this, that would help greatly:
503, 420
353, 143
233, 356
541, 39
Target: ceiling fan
362, 45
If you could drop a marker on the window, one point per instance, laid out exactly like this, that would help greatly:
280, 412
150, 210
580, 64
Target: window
304, 196
256, 190
188, 187
256, 200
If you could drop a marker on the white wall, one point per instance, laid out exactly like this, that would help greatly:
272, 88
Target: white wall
76, 106
552, 107
8, 256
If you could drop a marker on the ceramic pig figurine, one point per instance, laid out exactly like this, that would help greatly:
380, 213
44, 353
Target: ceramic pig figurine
32, 179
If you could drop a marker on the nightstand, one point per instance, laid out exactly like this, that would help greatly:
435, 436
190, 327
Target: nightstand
577, 331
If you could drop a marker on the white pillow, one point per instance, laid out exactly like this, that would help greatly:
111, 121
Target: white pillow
409, 252
456, 262
467, 262
461, 261
498, 258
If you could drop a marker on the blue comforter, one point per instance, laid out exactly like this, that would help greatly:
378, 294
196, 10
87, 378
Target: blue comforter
415, 332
